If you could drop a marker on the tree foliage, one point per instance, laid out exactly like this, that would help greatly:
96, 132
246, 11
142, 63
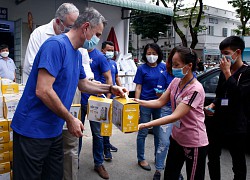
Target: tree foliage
193, 18
149, 25
243, 11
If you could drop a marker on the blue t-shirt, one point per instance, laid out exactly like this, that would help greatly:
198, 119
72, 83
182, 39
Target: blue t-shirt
164, 81
148, 78
114, 71
98, 65
32, 117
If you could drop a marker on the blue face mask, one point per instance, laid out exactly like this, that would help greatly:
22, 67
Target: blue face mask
229, 57
178, 72
90, 44
109, 54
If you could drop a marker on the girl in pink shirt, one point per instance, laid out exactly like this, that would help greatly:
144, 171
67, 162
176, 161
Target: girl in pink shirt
189, 140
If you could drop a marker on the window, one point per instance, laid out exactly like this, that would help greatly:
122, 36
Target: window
211, 30
210, 82
213, 21
224, 32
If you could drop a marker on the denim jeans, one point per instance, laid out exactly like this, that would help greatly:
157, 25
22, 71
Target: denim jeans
145, 116
164, 142
97, 138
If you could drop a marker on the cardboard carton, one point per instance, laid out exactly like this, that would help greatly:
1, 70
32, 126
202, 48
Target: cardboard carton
5, 157
9, 87
4, 136
106, 129
5, 171
125, 114
10, 103
4, 125
1, 106
99, 109
4, 147
75, 110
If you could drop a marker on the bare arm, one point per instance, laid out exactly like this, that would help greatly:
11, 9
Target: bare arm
180, 111
157, 103
45, 92
117, 80
108, 78
87, 86
137, 91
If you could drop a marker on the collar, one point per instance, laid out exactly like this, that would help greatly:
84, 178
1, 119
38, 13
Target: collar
49, 30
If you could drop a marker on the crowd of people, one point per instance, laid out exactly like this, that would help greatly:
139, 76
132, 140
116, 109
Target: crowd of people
62, 56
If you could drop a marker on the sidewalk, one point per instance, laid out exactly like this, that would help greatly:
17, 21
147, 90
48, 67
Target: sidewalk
124, 163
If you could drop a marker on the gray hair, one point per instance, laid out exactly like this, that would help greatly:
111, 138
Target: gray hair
65, 9
90, 15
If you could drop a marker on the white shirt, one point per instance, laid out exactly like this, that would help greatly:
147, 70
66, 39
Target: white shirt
37, 38
86, 63
7, 68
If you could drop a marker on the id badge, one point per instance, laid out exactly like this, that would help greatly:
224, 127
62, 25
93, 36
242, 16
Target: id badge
177, 124
224, 102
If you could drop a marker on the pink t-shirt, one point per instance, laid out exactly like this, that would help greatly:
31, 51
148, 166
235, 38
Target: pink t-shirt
189, 131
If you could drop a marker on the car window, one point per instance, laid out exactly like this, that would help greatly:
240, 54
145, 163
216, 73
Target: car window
210, 82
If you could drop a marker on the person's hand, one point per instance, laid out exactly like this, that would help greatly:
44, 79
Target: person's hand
141, 126
225, 65
75, 127
119, 91
209, 110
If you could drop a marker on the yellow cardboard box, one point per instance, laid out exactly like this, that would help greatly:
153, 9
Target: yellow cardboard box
1, 107
75, 110
4, 147
106, 129
9, 123
5, 157
5, 171
4, 136
11, 156
4, 125
9, 87
99, 109
11, 145
125, 114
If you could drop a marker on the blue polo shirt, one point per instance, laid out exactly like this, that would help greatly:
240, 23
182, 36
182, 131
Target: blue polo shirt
114, 71
164, 81
32, 117
98, 65
148, 78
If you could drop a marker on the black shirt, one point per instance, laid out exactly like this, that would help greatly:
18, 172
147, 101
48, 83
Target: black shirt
233, 117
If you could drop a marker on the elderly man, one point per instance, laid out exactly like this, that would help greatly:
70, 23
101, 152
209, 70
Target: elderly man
45, 104
65, 17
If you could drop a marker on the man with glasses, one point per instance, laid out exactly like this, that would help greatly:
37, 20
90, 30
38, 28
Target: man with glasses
65, 17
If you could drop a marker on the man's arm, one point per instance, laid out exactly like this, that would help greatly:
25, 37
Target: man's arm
90, 87
117, 80
45, 92
108, 78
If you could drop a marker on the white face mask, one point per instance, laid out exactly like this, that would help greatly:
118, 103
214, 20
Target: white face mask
151, 58
4, 54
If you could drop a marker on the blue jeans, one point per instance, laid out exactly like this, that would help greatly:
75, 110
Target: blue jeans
97, 138
145, 116
164, 141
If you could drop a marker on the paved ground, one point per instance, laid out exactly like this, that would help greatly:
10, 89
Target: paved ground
124, 163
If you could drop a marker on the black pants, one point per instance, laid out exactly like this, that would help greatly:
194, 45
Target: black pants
195, 159
37, 159
236, 144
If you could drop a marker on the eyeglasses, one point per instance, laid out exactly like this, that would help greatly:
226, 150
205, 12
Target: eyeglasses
66, 29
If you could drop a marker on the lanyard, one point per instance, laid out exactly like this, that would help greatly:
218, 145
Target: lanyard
177, 95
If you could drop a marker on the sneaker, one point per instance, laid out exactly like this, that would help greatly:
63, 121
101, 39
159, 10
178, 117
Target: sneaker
107, 155
102, 172
157, 175
181, 177
113, 148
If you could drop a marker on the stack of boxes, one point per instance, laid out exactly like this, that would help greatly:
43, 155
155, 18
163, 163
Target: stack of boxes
9, 98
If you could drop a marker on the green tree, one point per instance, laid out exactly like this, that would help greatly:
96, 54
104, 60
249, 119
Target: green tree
149, 25
243, 11
193, 18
